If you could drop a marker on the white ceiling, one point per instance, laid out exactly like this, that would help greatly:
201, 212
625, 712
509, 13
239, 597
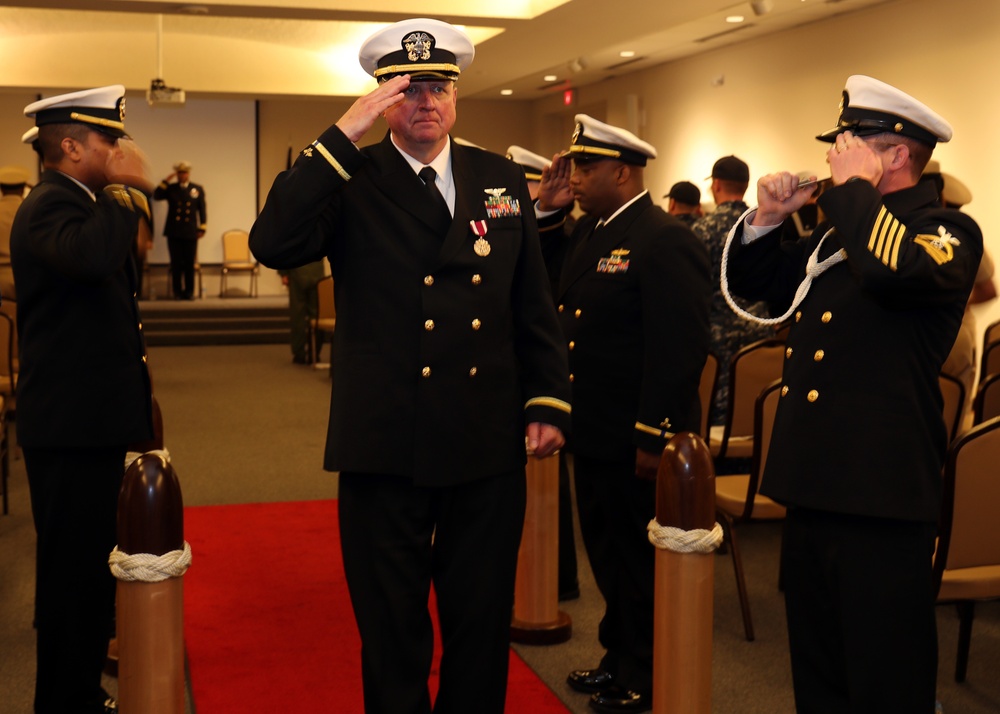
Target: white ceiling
309, 47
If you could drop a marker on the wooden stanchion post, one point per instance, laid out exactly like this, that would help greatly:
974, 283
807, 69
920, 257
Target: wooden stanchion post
682, 621
150, 614
537, 619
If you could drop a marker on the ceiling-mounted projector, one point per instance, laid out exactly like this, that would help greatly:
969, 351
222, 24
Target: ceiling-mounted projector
160, 95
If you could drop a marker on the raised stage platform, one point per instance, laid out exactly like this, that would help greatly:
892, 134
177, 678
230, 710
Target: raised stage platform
216, 321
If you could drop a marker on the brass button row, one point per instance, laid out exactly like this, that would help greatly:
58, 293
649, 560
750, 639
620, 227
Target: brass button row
811, 396
426, 372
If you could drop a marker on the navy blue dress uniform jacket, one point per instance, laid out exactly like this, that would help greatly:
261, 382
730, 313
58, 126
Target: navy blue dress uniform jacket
633, 303
186, 214
83, 378
859, 428
442, 353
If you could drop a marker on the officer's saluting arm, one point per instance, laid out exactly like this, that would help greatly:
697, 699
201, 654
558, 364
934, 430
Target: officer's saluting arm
293, 226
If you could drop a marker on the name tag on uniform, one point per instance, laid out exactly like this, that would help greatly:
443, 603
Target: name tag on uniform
617, 262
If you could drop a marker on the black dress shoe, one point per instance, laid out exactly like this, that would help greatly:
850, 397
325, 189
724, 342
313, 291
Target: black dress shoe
590, 680
618, 699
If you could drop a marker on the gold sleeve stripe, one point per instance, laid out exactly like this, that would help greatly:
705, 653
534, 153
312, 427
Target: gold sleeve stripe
548, 402
662, 433
332, 161
886, 238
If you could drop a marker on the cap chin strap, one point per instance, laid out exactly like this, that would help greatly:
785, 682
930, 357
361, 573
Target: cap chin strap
814, 268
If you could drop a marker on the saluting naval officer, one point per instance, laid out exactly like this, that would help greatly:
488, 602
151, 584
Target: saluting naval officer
185, 223
446, 355
633, 303
859, 438
83, 393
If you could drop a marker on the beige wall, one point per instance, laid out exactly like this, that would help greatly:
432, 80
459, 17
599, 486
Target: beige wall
776, 94
779, 92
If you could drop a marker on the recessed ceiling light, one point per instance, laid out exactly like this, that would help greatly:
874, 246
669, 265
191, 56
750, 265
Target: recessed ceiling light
627, 53
550, 78
506, 92
734, 19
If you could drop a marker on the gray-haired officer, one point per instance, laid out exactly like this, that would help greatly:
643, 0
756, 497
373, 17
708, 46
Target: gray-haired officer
83, 394
633, 300
446, 356
859, 439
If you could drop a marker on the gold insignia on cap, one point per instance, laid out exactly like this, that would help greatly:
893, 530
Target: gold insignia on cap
418, 46
576, 132
121, 110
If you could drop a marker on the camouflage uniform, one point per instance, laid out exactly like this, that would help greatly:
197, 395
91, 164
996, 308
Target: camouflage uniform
730, 332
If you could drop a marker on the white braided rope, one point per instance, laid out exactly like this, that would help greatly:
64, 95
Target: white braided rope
149, 568
697, 540
814, 268
131, 456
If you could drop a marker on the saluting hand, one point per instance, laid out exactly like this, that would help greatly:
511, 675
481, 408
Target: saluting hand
850, 156
553, 190
127, 164
362, 115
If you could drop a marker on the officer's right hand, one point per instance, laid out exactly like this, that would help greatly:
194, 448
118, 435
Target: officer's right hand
553, 190
362, 115
127, 164
778, 197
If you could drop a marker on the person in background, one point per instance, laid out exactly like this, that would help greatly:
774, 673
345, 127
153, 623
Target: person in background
13, 183
633, 302
569, 583
84, 392
303, 306
730, 332
962, 361
859, 438
684, 201
446, 365
185, 223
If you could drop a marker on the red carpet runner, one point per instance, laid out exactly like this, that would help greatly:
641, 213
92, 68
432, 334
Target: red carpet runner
267, 619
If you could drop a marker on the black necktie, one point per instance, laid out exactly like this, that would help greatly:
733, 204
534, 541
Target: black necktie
427, 174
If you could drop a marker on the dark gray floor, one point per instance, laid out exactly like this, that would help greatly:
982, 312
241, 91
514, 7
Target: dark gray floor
243, 424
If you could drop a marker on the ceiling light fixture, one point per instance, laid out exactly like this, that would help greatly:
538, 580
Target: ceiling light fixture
735, 19
550, 77
627, 53
506, 92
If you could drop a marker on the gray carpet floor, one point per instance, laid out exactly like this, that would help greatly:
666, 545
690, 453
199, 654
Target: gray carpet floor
243, 424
